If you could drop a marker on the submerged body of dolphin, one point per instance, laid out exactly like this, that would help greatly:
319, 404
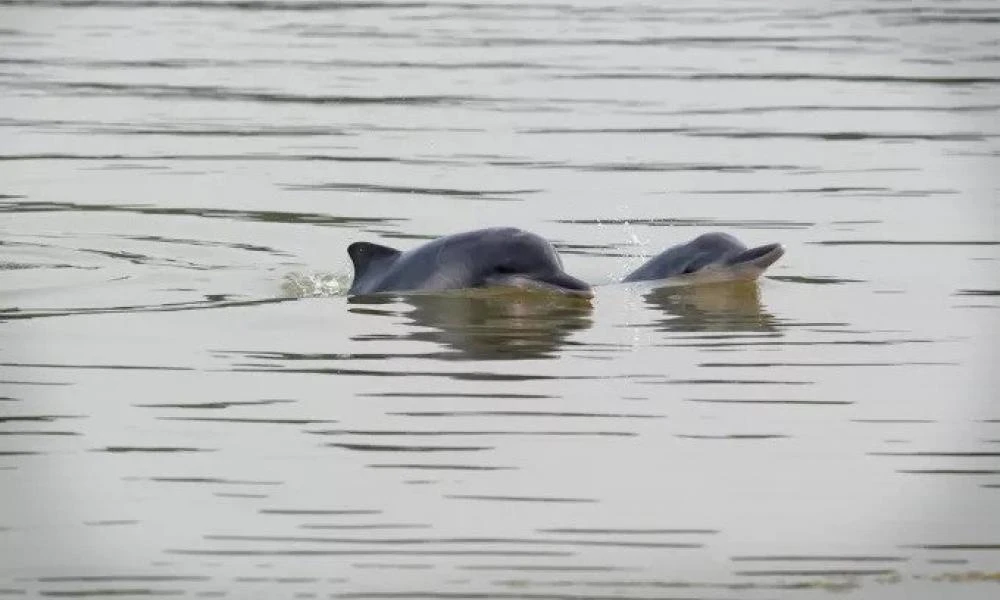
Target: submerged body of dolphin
505, 257
709, 257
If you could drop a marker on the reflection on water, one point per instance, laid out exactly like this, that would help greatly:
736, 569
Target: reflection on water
490, 324
729, 306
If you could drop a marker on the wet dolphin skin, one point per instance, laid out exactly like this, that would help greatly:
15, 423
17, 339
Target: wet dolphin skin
494, 257
711, 256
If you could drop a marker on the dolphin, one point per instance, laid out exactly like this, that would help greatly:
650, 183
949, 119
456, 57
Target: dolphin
501, 256
709, 257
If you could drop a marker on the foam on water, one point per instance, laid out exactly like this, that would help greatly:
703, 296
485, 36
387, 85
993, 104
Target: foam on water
315, 285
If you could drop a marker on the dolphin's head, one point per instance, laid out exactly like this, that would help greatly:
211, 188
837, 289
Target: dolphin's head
722, 255
712, 256
516, 258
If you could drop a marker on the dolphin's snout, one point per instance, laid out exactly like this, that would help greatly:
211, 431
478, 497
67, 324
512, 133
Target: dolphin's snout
567, 284
550, 282
587, 292
760, 257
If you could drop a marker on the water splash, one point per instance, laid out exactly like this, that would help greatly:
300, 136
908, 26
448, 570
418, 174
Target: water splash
315, 285
637, 245
634, 251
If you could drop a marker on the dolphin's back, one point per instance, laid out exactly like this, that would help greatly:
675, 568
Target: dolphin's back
668, 263
448, 262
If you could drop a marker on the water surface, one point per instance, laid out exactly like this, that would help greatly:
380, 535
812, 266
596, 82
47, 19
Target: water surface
189, 406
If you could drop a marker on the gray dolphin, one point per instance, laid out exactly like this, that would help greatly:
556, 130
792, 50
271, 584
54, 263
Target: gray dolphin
502, 256
709, 257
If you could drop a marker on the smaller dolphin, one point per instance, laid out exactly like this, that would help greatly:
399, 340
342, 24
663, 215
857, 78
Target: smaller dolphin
502, 256
709, 257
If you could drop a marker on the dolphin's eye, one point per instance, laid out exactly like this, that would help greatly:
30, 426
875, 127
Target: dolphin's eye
505, 269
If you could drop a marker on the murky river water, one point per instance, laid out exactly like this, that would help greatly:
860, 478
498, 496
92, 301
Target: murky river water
190, 406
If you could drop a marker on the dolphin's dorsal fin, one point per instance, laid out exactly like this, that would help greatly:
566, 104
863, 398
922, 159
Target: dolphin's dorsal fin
365, 254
